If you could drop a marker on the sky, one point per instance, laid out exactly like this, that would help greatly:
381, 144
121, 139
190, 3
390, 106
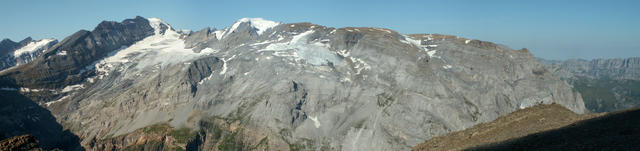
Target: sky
550, 29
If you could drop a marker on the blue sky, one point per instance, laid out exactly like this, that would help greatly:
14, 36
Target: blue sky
551, 29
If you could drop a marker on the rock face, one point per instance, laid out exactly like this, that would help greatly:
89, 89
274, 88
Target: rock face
26, 51
606, 84
275, 86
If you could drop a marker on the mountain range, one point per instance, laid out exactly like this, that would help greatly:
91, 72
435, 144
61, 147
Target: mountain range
140, 84
605, 84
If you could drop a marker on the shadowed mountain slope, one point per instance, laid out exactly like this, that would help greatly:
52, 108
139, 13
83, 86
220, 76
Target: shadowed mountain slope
546, 127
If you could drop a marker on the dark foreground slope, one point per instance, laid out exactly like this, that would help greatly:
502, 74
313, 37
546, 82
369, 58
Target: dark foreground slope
614, 131
19, 116
546, 127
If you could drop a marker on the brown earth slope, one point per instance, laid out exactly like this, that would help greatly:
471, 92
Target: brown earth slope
545, 127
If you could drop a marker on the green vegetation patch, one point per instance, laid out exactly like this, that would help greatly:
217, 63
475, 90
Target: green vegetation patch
156, 128
263, 142
182, 135
151, 145
230, 142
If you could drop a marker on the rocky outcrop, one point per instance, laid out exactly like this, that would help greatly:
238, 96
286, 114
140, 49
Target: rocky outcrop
290, 86
20, 143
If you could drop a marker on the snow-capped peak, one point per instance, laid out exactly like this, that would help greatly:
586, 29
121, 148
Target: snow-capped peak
32, 46
157, 23
259, 24
159, 50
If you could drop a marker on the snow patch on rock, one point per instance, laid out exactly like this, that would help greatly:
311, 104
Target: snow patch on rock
315, 121
415, 42
62, 53
72, 88
32, 46
56, 101
432, 54
224, 64
259, 24
158, 50
359, 65
27, 90
156, 24
218, 34
300, 48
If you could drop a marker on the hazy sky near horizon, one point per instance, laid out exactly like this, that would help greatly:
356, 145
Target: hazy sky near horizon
551, 29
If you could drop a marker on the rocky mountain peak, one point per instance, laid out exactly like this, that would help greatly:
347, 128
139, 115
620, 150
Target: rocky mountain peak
257, 25
32, 45
127, 24
7, 45
25, 41
159, 26
6, 40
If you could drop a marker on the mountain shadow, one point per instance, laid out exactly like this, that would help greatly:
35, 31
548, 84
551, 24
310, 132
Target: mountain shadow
615, 131
19, 115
